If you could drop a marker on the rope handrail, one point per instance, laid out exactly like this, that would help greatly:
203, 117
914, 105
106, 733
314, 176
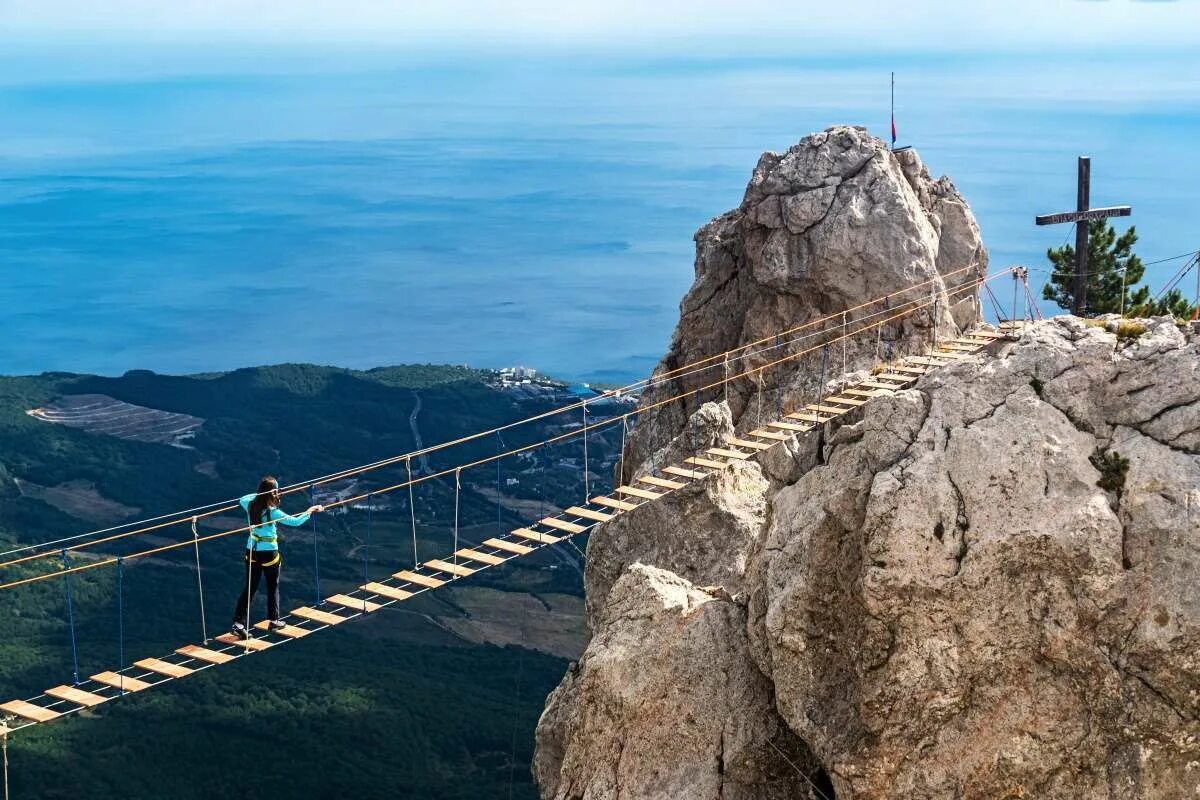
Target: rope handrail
970, 284
212, 509
676, 374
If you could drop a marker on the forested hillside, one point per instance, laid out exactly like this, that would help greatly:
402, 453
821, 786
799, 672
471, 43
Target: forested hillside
400, 704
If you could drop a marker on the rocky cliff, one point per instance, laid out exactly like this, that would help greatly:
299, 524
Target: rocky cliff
982, 587
832, 222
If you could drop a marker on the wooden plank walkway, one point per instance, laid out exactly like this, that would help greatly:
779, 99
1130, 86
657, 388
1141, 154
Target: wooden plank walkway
372, 596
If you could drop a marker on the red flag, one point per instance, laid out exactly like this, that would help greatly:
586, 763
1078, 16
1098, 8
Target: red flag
893, 130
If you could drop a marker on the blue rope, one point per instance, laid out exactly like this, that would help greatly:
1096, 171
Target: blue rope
121, 617
316, 555
70, 615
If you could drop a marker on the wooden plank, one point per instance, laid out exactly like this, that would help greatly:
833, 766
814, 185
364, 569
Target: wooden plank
866, 392
450, 568
954, 355
204, 654
317, 615
891, 376
747, 443
772, 435
846, 401
588, 513
419, 579
663, 482
823, 409
77, 696
633, 491
611, 502
21, 708
118, 681
535, 536
164, 667
290, 631
383, 590
886, 387
899, 368
727, 453
482, 558
686, 473
562, 525
706, 462
511, 547
804, 416
985, 334
789, 426
352, 603
248, 644
962, 348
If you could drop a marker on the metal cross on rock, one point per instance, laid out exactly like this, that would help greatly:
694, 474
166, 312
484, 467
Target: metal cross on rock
1084, 214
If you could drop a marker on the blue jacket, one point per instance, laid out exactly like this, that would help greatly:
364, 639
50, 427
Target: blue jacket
266, 536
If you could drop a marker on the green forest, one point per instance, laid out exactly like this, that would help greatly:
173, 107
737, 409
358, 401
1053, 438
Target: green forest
393, 705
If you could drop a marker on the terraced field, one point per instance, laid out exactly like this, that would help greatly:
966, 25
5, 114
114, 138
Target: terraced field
98, 413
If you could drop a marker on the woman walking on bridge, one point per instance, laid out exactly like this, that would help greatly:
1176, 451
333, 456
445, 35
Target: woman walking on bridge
262, 552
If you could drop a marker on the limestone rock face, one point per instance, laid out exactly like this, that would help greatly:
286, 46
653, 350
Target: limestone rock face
666, 703
836, 220
987, 586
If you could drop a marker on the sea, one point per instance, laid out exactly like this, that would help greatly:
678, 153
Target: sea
497, 209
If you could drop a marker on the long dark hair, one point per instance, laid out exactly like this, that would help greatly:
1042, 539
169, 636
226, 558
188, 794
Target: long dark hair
267, 497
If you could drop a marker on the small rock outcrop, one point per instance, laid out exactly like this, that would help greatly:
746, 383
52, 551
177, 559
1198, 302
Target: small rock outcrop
987, 586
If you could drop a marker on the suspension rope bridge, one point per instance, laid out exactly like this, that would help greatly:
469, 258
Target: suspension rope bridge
890, 376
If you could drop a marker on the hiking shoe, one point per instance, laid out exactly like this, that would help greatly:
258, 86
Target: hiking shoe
239, 630
277, 624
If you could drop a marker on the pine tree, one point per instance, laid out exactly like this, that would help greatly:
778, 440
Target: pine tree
1173, 303
1108, 256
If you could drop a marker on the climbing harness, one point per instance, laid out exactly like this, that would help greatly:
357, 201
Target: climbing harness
70, 617
199, 582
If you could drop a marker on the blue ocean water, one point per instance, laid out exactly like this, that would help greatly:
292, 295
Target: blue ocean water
498, 211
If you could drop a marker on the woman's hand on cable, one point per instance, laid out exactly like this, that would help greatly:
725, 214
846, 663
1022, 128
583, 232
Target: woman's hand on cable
316, 509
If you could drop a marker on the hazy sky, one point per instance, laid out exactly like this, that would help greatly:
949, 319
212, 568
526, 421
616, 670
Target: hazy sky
774, 26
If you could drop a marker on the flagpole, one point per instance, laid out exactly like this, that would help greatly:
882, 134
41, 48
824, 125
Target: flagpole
893, 110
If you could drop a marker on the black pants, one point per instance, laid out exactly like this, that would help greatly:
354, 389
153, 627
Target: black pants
263, 562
